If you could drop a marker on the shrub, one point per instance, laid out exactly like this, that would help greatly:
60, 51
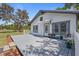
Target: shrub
69, 44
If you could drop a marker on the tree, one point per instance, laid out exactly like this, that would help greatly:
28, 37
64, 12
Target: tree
63, 8
75, 5
6, 12
68, 6
20, 18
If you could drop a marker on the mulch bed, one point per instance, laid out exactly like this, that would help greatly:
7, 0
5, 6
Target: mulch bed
13, 51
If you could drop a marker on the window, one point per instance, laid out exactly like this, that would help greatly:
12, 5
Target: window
46, 28
41, 18
35, 28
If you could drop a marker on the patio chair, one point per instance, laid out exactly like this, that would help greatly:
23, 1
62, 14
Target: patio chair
51, 35
58, 37
68, 37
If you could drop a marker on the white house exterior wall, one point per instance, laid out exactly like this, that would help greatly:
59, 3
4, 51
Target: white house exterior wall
40, 26
54, 17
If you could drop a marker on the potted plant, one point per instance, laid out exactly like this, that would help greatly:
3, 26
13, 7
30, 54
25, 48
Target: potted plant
69, 44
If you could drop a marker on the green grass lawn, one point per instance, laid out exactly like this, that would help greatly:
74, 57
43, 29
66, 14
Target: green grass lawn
3, 35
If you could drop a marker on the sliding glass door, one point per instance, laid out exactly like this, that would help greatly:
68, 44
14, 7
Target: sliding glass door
55, 28
61, 28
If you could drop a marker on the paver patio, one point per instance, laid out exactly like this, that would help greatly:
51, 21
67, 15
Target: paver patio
40, 46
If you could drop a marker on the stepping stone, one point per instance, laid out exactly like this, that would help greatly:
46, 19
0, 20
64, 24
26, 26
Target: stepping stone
6, 47
12, 44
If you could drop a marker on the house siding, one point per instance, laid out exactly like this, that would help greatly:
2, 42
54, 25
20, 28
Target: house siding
54, 17
40, 26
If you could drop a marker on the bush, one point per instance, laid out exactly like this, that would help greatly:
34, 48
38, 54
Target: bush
69, 44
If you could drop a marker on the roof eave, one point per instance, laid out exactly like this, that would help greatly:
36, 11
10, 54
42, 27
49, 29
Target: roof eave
54, 11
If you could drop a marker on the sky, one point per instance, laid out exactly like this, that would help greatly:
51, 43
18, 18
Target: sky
33, 8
